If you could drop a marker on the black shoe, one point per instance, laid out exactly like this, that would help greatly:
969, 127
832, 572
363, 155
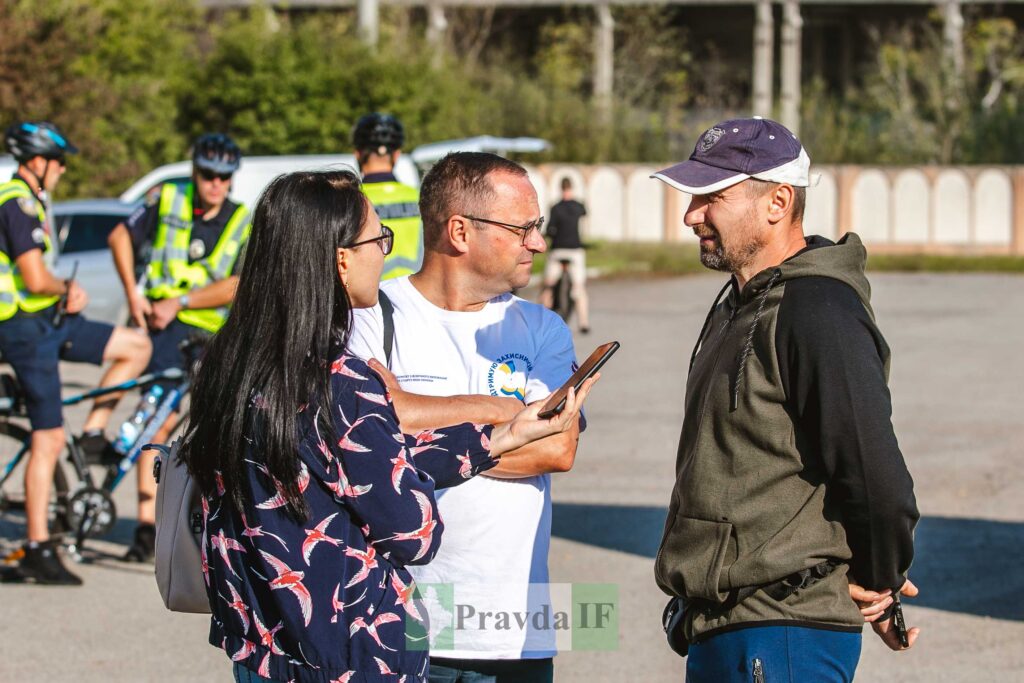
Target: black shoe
143, 546
584, 330
96, 449
43, 565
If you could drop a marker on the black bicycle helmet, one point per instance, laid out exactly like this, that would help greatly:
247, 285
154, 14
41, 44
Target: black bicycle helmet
28, 139
216, 153
381, 133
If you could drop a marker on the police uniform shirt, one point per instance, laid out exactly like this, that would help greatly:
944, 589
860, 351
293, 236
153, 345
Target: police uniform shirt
142, 226
20, 229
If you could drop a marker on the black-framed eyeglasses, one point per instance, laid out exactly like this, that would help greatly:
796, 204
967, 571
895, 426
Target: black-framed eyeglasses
209, 175
524, 230
386, 239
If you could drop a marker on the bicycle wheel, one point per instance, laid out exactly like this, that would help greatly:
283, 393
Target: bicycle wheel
14, 451
562, 302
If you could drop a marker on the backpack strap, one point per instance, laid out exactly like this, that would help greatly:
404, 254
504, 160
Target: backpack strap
388, 309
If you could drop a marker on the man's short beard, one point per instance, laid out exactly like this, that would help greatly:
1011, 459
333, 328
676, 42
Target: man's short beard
716, 257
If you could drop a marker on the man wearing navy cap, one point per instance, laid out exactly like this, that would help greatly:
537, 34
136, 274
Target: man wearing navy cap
791, 494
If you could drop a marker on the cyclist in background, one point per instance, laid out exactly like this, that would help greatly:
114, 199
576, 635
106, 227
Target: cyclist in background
40, 325
197, 236
566, 245
377, 140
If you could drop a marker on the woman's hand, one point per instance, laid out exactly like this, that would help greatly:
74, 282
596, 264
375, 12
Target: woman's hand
526, 427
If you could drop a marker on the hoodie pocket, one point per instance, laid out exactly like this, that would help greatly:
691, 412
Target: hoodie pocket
692, 557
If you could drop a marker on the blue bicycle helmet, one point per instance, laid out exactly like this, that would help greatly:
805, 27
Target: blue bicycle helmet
28, 139
216, 153
381, 133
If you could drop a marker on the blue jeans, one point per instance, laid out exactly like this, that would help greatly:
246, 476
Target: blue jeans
491, 670
783, 654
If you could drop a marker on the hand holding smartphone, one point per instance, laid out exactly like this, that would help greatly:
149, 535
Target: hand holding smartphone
899, 623
556, 402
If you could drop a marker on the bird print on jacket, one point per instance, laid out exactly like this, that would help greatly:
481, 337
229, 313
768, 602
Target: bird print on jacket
326, 599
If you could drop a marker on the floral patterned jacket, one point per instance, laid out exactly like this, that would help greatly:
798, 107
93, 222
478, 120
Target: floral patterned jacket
327, 600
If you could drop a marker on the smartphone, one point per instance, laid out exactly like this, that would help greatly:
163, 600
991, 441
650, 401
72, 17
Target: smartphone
599, 357
899, 622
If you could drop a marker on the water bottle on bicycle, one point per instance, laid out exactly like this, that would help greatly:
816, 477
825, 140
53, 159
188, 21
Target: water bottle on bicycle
133, 426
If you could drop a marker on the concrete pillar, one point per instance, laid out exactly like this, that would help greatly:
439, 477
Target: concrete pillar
764, 58
1017, 241
792, 25
437, 25
368, 12
953, 34
604, 59
846, 176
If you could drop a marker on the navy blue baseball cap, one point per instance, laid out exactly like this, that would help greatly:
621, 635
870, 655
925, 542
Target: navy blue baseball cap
735, 150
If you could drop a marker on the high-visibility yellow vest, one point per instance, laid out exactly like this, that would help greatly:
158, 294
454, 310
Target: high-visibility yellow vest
170, 275
398, 206
13, 292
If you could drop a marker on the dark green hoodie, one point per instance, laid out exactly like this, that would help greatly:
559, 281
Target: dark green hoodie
787, 456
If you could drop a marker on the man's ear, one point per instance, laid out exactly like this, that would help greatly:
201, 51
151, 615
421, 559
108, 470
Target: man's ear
780, 202
458, 233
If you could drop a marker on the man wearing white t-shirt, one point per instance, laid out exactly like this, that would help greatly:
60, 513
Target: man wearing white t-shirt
460, 333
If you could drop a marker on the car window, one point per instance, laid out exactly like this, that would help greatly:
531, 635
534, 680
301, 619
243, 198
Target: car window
88, 232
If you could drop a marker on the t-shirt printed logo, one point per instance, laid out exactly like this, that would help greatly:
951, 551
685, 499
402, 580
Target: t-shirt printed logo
507, 375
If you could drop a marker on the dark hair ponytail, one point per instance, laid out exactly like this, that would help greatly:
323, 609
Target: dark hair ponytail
289, 312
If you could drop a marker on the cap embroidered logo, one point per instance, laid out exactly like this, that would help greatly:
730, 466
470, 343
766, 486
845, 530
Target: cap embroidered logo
710, 137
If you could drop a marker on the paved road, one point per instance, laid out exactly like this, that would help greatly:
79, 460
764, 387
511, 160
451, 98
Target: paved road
956, 381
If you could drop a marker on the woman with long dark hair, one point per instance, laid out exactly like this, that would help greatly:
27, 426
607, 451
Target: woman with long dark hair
314, 500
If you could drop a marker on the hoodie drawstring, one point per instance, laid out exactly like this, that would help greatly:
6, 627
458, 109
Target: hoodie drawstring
707, 323
748, 343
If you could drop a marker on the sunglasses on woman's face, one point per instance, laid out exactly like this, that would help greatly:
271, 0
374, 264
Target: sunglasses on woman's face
386, 239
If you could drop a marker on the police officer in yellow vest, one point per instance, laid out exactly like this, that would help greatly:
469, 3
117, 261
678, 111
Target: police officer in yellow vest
197, 235
377, 140
33, 339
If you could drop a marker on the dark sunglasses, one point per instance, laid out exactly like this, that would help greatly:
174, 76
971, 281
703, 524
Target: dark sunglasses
386, 239
524, 230
210, 175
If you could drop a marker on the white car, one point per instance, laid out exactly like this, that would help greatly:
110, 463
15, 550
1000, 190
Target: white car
82, 227
255, 173
7, 167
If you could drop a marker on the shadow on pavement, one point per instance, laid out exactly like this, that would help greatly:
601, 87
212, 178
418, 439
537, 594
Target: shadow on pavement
631, 529
971, 566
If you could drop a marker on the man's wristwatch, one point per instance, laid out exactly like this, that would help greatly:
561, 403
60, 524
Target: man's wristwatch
183, 300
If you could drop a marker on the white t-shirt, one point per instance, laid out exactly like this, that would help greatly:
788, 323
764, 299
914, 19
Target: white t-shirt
497, 532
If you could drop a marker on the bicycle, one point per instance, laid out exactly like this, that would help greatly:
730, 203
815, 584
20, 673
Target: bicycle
87, 510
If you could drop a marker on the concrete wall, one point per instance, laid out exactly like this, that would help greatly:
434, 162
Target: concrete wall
956, 209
